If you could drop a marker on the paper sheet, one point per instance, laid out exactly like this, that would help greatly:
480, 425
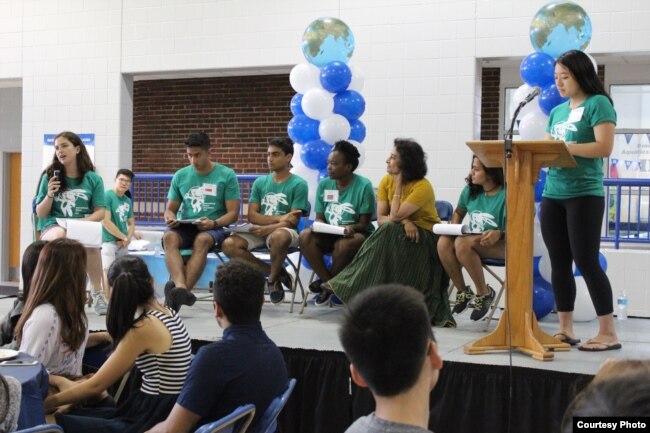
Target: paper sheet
453, 229
320, 227
89, 233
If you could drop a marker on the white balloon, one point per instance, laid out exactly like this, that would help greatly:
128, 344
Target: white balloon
583, 309
593, 61
532, 126
362, 151
519, 95
318, 103
304, 76
539, 247
334, 128
545, 267
358, 79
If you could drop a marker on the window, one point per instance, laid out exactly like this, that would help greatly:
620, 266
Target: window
632, 103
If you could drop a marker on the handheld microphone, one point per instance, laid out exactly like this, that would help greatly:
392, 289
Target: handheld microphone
531, 96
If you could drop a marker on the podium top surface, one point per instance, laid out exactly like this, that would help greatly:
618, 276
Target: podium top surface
554, 152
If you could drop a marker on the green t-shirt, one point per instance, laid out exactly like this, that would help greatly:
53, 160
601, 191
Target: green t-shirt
80, 198
121, 209
485, 212
577, 126
279, 198
203, 195
344, 207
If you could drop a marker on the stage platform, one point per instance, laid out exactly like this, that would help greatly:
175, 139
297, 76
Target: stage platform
473, 393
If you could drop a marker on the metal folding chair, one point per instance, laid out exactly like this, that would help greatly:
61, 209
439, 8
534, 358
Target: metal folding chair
268, 421
237, 421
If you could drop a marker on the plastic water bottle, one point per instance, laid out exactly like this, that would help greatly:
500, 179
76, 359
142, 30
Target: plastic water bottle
622, 306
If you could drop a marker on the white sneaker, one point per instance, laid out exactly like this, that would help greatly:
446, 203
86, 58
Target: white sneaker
101, 307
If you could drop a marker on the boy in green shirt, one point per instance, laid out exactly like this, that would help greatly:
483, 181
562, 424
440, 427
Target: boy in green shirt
203, 199
274, 207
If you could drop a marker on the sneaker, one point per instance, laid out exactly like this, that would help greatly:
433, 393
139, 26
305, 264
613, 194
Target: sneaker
315, 287
169, 285
276, 292
286, 279
462, 299
482, 304
179, 296
101, 307
325, 295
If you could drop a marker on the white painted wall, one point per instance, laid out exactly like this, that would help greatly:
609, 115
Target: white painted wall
75, 59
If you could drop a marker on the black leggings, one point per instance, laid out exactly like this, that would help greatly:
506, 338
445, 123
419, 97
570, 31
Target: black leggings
571, 231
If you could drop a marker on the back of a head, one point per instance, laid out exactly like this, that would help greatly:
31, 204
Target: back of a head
198, 139
239, 290
616, 396
385, 333
30, 259
413, 160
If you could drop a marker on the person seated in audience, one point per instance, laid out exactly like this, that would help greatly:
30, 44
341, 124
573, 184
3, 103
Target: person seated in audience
10, 394
245, 366
53, 327
345, 199
203, 199
484, 200
620, 389
275, 206
403, 249
386, 334
119, 224
70, 188
28, 266
143, 332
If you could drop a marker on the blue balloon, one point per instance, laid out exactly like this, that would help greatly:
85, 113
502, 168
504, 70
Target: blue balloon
314, 154
349, 104
539, 186
537, 69
322, 174
327, 39
357, 131
335, 77
296, 104
601, 259
550, 98
303, 129
543, 299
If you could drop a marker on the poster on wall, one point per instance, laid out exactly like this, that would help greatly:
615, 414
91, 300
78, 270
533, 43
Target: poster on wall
630, 158
48, 147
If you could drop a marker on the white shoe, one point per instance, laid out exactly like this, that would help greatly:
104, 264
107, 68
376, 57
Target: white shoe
101, 307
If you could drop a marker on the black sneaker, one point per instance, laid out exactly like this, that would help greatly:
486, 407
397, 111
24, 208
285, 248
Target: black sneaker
180, 296
286, 279
276, 292
462, 299
315, 287
325, 295
169, 285
482, 304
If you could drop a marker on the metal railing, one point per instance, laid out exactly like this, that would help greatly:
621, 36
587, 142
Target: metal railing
149, 196
627, 209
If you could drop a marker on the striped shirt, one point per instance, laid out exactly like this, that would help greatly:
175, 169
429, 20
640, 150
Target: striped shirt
165, 373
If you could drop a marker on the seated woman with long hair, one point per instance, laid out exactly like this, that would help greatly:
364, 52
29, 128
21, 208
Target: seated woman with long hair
144, 332
53, 326
484, 200
403, 249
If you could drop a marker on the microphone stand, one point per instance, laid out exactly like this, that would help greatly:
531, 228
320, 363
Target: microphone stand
507, 139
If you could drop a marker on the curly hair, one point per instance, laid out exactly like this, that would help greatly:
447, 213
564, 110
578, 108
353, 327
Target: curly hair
412, 159
494, 173
239, 289
349, 152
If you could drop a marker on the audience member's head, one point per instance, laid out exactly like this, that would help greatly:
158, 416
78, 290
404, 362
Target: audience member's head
198, 139
60, 280
617, 395
622, 367
131, 289
30, 259
239, 291
283, 143
387, 336
412, 159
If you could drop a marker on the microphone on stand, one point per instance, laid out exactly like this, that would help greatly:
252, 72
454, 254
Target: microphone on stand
508, 137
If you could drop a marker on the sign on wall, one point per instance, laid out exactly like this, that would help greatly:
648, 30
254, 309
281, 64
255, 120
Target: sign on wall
630, 157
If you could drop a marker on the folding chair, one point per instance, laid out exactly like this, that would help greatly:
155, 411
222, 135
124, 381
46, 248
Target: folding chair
268, 421
445, 210
236, 422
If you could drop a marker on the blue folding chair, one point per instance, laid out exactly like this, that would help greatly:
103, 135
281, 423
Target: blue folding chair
268, 421
43, 428
445, 210
236, 422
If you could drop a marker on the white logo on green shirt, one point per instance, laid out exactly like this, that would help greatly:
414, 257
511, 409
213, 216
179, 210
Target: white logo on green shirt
271, 201
196, 197
335, 211
68, 200
559, 130
479, 220
122, 211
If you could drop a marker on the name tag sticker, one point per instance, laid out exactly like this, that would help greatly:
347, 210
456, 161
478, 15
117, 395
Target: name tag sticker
576, 115
331, 196
210, 189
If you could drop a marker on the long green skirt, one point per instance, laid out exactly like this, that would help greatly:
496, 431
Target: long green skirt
387, 256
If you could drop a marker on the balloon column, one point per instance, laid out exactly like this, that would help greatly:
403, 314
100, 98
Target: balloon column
328, 104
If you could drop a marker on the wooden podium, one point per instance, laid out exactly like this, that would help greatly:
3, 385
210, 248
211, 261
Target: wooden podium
518, 328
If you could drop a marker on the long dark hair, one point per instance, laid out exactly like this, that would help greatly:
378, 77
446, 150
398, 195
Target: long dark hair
580, 66
494, 173
84, 163
30, 259
131, 287
60, 280
412, 159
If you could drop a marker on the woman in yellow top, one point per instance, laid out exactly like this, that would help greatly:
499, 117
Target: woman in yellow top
403, 249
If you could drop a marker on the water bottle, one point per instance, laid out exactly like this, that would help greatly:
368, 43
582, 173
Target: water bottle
622, 306
157, 248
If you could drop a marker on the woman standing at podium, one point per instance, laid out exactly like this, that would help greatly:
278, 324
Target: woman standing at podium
573, 201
